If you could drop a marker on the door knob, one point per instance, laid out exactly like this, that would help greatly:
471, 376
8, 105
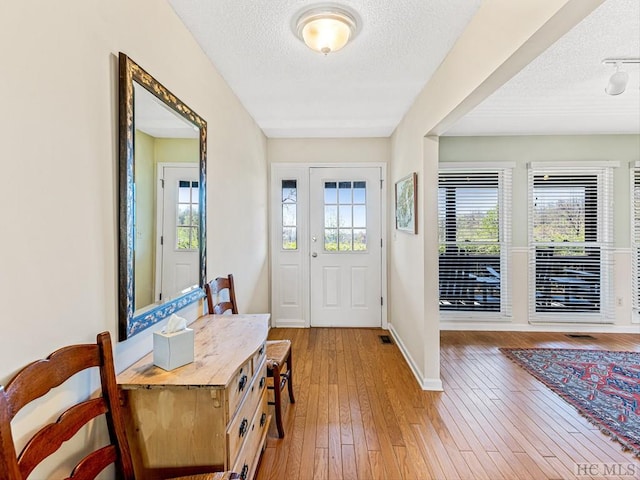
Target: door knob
314, 239
314, 254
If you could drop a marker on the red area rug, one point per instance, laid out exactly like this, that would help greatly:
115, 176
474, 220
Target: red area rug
604, 386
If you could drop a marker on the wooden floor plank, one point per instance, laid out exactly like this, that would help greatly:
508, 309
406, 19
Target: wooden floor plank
322, 420
407, 467
335, 443
437, 463
303, 365
307, 460
346, 433
289, 452
377, 466
366, 414
349, 468
498, 421
413, 452
477, 469
321, 464
506, 467
359, 438
440, 435
386, 446
360, 414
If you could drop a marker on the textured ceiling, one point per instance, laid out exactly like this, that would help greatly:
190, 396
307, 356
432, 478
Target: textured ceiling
365, 89
156, 119
562, 91
361, 91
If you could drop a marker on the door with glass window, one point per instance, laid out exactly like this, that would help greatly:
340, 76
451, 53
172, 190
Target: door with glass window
179, 230
345, 247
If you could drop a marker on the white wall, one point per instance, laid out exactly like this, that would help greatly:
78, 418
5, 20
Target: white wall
503, 37
523, 149
328, 150
58, 187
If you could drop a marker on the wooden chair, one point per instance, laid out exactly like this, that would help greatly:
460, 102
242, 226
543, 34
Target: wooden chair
278, 351
215, 290
36, 380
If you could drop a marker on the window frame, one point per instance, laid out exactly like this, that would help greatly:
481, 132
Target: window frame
504, 172
634, 182
192, 227
598, 236
283, 202
339, 205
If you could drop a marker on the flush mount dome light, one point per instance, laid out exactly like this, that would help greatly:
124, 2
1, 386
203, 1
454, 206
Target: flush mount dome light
326, 29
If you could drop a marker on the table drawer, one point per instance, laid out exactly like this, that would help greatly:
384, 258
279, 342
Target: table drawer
240, 426
239, 386
259, 356
247, 460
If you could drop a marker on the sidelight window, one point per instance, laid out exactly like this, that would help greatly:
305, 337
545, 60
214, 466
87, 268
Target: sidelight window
289, 202
188, 217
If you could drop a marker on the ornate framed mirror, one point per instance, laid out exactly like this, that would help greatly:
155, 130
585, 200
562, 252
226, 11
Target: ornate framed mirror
162, 202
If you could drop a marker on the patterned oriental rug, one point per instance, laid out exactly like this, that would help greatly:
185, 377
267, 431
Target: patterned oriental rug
604, 386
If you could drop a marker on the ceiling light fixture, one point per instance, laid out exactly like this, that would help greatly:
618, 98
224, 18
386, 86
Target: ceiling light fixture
326, 28
619, 80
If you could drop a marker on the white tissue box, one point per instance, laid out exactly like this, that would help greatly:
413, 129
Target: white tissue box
172, 350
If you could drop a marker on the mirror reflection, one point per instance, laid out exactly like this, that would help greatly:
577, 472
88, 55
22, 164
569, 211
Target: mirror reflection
166, 221
162, 233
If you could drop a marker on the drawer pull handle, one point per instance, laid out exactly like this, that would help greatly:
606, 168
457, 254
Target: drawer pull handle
263, 419
243, 427
242, 383
263, 380
245, 471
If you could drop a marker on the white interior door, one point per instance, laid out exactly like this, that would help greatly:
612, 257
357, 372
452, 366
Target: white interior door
179, 229
345, 247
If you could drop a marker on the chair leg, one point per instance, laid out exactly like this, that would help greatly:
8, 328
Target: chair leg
277, 401
290, 378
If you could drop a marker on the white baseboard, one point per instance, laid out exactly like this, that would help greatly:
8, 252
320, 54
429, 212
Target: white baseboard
432, 384
284, 323
546, 327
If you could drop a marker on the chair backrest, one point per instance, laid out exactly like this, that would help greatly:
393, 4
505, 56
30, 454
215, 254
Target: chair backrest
217, 301
38, 378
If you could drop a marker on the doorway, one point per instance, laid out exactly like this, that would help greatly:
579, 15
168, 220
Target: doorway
346, 247
327, 245
177, 249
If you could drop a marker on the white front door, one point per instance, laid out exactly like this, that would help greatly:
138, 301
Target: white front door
179, 230
345, 247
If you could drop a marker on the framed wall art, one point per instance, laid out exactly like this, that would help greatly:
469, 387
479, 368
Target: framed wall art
407, 203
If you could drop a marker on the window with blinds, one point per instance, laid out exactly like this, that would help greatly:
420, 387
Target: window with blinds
635, 241
474, 238
570, 232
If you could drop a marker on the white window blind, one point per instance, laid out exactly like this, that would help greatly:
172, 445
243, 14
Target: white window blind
570, 242
474, 230
635, 241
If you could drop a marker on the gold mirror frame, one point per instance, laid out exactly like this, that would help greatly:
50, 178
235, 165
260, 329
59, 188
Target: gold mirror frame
129, 323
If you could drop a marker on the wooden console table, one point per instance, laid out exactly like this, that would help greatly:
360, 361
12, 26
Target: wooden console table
208, 415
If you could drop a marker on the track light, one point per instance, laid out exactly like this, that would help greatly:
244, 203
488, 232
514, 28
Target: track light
619, 80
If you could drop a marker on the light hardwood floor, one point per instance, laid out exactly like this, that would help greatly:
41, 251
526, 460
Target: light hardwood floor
359, 413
